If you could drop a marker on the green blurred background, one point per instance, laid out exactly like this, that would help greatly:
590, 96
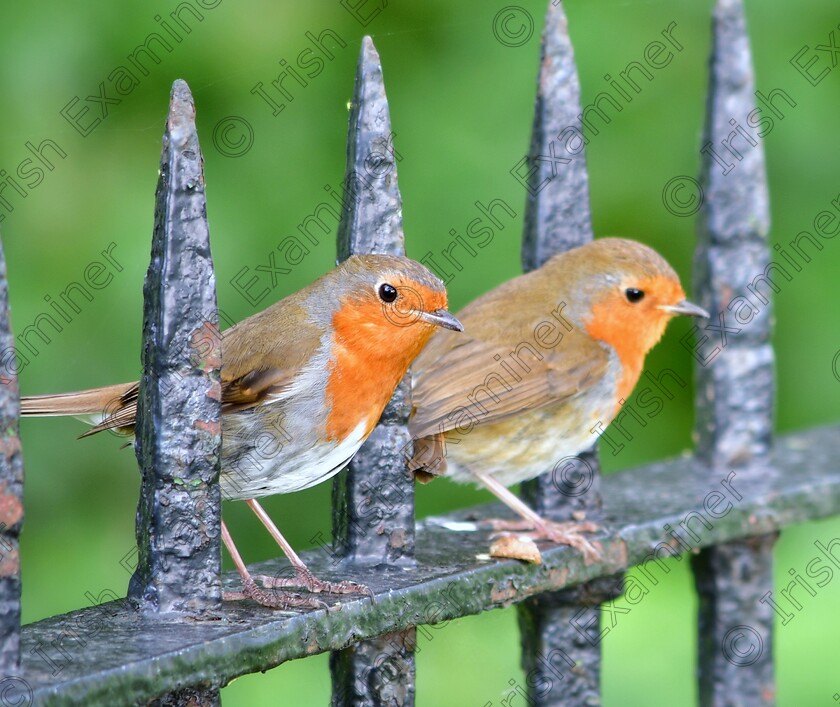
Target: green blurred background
461, 107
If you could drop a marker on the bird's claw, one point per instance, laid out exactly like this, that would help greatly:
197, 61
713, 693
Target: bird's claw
569, 533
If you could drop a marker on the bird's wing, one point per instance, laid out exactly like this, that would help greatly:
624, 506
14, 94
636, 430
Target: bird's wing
459, 377
262, 355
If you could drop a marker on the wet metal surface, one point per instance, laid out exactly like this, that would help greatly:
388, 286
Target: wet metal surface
135, 656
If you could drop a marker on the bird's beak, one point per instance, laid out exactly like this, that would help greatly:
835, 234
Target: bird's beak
440, 317
686, 307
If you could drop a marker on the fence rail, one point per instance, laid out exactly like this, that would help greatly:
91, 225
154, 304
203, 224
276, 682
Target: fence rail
172, 641
122, 654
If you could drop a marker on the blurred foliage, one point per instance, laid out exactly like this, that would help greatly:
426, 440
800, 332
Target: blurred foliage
461, 106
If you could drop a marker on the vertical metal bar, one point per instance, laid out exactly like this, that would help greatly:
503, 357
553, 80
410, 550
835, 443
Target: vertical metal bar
734, 628
373, 500
11, 495
557, 217
735, 375
179, 407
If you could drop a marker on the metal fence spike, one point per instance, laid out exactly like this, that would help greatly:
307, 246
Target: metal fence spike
557, 215
373, 499
557, 218
178, 423
735, 380
371, 221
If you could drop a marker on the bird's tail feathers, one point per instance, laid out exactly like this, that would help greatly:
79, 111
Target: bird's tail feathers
81, 404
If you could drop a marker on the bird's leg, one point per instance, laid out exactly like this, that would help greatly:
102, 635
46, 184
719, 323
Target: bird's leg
303, 575
289, 600
568, 533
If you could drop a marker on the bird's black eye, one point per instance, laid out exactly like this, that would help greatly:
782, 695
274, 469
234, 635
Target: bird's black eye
387, 293
634, 295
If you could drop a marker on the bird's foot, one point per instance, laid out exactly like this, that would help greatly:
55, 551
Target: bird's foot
566, 533
305, 579
284, 600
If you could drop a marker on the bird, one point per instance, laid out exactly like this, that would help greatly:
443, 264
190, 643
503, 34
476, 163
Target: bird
546, 357
304, 383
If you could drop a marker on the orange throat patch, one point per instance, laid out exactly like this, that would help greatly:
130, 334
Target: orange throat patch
631, 333
369, 357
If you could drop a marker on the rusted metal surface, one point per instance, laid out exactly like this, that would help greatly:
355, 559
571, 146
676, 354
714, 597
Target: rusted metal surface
551, 641
734, 368
189, 697
557, 215
11, 495
375, 672
734, 372
373, 500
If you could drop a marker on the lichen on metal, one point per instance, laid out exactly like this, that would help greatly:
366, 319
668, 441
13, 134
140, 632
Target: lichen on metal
373, 499
11, 495
734, 370
178, 423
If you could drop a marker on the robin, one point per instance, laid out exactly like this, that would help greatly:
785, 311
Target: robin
304, 383
546, 357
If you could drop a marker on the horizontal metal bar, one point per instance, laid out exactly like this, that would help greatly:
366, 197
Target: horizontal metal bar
116, 653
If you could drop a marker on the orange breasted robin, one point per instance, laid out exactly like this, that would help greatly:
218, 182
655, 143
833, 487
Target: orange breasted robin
547, 356
305, 379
